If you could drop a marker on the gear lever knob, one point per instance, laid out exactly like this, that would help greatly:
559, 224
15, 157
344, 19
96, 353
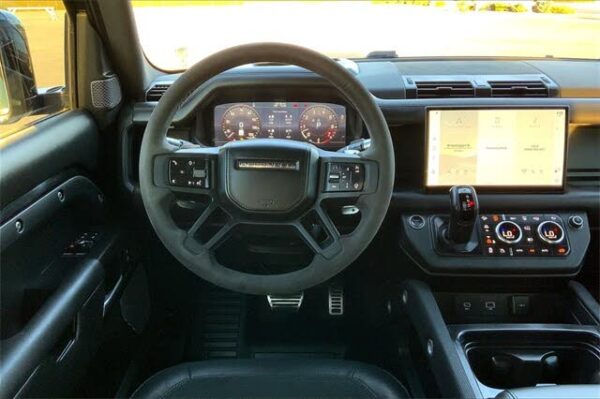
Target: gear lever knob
464, 209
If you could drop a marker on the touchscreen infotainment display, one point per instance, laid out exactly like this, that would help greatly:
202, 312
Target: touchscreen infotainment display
496, 147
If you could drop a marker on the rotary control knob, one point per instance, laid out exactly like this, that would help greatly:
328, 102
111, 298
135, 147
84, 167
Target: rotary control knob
509, 232
551, 232
576, 222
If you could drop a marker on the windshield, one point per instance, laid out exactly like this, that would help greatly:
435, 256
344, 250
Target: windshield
176, 34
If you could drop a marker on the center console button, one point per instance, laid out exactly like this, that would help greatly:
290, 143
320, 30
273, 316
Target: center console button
520, 304
531, 251
561, 250
551, 232
545, 251
537, 218
553, 218
503, 252
509, 232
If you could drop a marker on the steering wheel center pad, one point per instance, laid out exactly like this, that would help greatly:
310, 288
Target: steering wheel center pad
268, 176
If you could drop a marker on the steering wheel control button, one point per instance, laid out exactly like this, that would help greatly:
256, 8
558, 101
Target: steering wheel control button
188, 172
551, 232
345, 177
417, 222
350, 210
576, 222
509, 232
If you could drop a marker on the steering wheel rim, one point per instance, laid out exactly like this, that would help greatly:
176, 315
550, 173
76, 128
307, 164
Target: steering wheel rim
373, 201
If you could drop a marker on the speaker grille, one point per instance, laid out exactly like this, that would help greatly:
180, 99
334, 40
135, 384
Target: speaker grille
106, 93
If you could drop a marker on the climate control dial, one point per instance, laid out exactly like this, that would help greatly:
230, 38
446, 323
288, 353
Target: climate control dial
509, 232
551, 232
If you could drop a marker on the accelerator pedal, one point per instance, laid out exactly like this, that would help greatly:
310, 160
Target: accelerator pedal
336, 300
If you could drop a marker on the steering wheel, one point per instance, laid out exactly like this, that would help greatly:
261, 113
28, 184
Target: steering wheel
270, 182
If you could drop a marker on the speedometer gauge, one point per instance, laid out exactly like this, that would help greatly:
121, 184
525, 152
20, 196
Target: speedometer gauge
240, 122
318, 124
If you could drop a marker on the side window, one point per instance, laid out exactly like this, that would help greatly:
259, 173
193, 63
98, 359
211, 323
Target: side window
32, 63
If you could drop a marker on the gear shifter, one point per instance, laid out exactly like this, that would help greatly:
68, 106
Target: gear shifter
464, 209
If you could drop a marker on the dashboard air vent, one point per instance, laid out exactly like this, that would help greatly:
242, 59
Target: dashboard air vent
156, 92
532, 88
584, 177
430, 89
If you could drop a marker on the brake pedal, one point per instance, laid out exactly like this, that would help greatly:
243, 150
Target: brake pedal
336, 301
290, 302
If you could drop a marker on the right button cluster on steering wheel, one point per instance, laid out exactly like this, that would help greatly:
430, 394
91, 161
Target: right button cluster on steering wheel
345, 177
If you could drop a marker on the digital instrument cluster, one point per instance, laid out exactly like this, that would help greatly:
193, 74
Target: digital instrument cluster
321, 124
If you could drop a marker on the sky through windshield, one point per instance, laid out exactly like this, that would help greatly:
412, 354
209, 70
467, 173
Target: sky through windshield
177, 34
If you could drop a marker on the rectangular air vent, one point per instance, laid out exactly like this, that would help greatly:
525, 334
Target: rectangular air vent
511, 88
584, 177
429, 89
156, 92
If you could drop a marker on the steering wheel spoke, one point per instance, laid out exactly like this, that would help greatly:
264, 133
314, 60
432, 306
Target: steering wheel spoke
319, 233
209, 229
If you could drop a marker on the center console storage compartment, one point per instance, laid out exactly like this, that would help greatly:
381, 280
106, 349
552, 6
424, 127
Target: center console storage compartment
481, 344
514, 356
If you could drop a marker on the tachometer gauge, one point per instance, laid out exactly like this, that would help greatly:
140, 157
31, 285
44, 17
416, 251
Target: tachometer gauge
240, 122
318, 124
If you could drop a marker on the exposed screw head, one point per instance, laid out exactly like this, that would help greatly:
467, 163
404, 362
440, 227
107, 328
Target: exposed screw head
61, 195
19, 226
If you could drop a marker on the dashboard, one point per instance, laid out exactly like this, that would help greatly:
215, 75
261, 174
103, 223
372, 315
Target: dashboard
534, 173
321, 124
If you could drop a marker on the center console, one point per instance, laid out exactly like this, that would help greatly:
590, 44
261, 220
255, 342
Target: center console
503, 345
501, 321
463, 241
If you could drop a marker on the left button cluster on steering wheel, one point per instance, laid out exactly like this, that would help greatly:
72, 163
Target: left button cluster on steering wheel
189, 172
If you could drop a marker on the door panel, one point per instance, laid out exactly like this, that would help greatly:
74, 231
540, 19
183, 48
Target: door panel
35, 154
56, 242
